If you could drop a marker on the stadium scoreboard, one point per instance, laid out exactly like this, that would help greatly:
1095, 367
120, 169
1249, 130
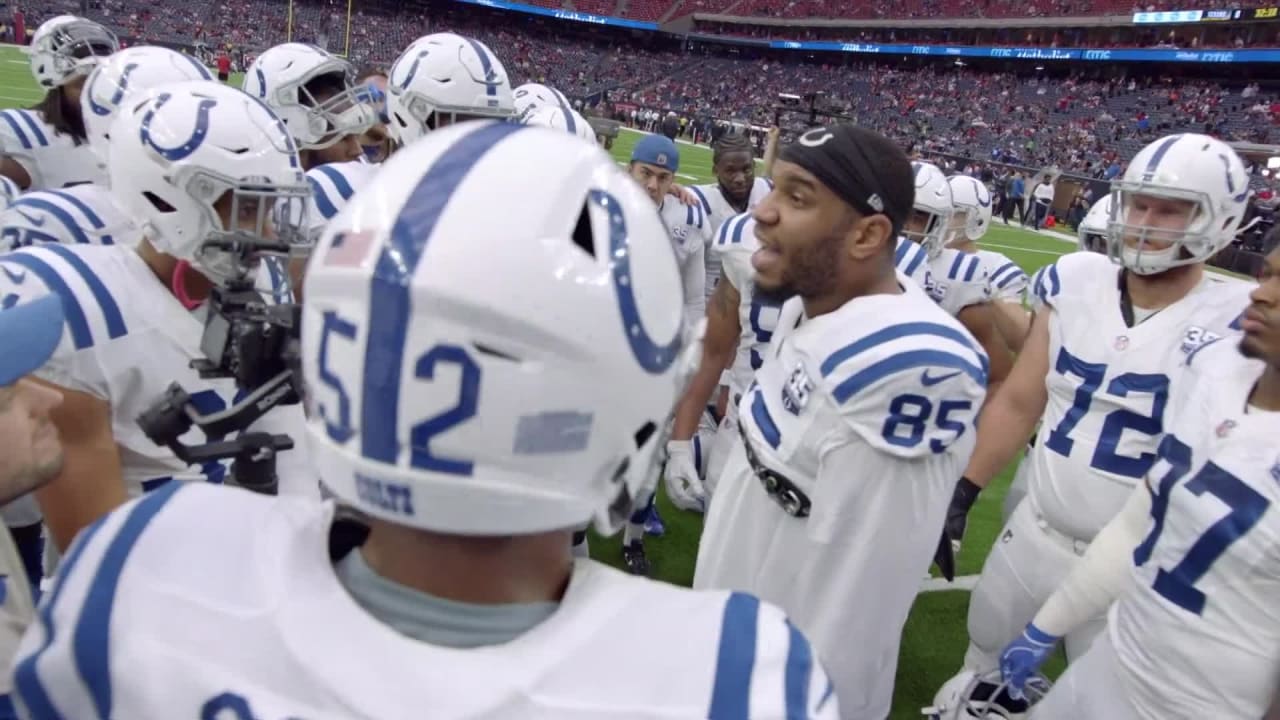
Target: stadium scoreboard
1192, 16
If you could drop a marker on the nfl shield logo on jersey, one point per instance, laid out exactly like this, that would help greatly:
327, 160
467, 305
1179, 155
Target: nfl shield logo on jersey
1224, 428
795, 394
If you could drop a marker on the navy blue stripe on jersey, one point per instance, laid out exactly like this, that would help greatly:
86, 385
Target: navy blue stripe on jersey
764, 421
88, 212
60, 213
968, 264
731, 231
34, 125
1236, 324
769, 182
972, 269
323, 203
913, 254
81, 337
26, 677
1047, 286
688, 219
797, 673
1006, 274
107, 304
895, 332
736, 659
91, 636
910, 360
339, 181
702, 199
389, 297
698, 212
7, 116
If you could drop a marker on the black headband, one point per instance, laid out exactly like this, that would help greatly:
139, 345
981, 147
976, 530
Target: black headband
846, 159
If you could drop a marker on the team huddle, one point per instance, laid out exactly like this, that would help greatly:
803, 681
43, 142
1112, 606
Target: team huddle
507, 339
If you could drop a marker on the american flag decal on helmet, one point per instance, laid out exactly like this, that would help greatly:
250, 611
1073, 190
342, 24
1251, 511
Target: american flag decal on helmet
349, 249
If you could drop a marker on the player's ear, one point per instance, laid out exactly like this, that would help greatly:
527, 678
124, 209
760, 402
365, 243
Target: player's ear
868, 235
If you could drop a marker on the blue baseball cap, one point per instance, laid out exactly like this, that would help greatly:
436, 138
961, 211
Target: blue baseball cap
30, 332
657, 150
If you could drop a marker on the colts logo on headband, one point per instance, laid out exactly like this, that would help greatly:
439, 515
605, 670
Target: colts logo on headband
816, 137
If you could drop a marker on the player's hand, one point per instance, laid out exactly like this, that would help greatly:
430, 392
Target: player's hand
684, 487
962, 498
1023, 657
682, 194
945, 557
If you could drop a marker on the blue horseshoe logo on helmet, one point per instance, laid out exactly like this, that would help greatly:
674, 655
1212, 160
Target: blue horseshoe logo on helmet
116, 97
188, 146
413, 69
654, 358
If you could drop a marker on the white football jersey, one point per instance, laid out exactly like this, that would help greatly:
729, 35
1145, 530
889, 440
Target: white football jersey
862, 418
80, 215
757, 316
16, 608
717, 210
52, 159
1198, 635
1007, 280
332, 185
958, 280
689, 237
912, 260
127, 338
251, 620
1108, 386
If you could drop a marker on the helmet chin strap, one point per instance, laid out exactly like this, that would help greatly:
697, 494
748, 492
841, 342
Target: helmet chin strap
178, 284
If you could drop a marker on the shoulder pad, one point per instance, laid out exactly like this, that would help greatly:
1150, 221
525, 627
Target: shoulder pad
965, 267
1007, 278
92, 314
1076, 274
734, 230
63, 668
22, 131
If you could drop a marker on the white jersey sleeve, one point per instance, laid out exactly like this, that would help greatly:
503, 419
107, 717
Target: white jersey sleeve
718, 211
253, 623
79, 215
1007, 280
757, 315
687, 227
52, 159
959, 280
1198, 635
332, 185
912, 260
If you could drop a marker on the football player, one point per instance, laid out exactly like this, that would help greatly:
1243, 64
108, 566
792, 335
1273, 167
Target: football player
1006, 280
1106, 349
654, 162
1190, 560
472, 428
315, 94
560, 118
445, 78
736, 190
957, 280
862, 408
44, 146
1093, 229
30, 455
9, 191
197, 164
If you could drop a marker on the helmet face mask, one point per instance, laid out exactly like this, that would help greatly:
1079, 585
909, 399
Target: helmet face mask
979, 696
1180, 202
314, 93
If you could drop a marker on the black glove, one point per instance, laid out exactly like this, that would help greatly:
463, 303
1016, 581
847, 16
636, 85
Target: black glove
962, 499
944, 558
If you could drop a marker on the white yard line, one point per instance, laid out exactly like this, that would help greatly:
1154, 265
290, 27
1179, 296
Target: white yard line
963, 582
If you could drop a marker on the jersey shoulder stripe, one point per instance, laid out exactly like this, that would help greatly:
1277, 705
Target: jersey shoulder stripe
339, 180
702, 198
909, 256
33, 123
731, 231
16, 127
1045, 283
964, 264
87, 211
47, 203
897, 349
79, 626
1007, 274
44, 262
323, 204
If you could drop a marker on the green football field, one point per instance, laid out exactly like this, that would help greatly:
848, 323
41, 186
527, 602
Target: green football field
934, 640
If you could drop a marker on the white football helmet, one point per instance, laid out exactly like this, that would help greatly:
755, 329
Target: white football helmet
66, 47
444, 74
972, 202
1093, 229
9, 191
969, 695
494, 373
933, 201
280, 78
184, 147
532, 96
1205, 174
563, 119
119, 77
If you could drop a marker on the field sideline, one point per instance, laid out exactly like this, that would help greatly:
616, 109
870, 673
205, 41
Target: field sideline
934, 641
